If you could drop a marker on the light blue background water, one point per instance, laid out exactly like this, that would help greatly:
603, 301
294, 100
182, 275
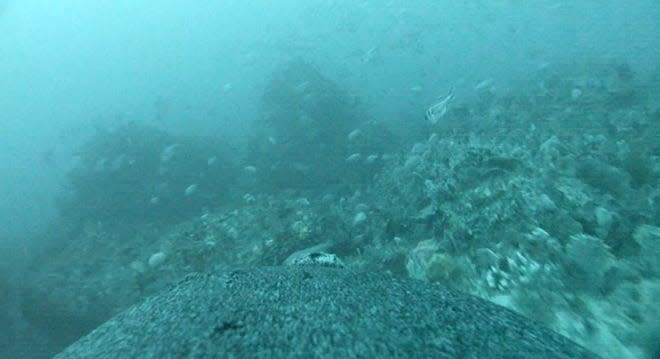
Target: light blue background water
68, 66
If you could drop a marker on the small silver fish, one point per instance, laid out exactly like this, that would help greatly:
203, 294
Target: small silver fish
190, 190
439, 110
354, 134
369, 55
353, 158
484, 85
168, 152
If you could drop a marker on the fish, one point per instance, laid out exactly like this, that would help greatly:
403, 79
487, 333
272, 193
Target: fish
353, 158
354, 134
301, 88
168, 152
484, 85
372, 158
48, 157
190, 190
439, 109
369, 55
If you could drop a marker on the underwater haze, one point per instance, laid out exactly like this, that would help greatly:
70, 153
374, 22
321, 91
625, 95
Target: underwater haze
395, 134
70, 66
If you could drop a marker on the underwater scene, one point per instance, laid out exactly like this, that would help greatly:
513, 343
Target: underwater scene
505, 154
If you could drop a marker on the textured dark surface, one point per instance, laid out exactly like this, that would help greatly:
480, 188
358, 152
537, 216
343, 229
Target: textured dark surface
311, 311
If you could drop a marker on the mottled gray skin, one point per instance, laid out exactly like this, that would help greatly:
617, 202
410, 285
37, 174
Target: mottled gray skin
321, 312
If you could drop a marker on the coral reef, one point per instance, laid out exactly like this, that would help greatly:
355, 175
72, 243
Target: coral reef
546, 201
311, 134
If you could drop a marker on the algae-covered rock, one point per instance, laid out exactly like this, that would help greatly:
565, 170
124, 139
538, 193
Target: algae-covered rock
307, 130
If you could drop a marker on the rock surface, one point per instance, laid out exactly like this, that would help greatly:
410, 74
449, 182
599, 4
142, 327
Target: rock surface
311, 311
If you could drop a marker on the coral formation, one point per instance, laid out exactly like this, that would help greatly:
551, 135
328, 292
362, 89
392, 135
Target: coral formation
545, 200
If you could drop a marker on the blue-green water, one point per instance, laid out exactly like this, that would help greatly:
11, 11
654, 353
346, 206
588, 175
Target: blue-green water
140, 142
